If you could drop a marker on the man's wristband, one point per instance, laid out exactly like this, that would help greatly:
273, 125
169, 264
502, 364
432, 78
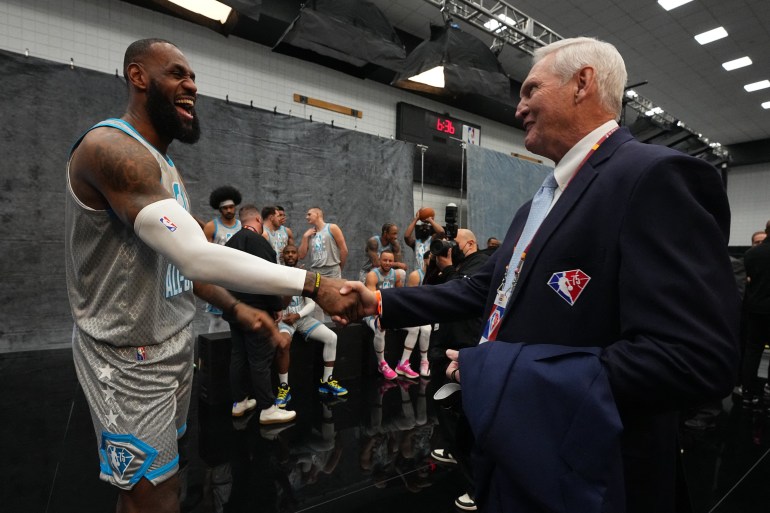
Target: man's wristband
378, 297
316, 286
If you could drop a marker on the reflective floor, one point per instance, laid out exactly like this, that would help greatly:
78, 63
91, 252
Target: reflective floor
369, 452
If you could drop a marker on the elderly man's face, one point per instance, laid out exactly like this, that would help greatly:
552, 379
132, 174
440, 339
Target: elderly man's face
545, 110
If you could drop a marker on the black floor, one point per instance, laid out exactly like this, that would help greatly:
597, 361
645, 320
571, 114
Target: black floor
351, 456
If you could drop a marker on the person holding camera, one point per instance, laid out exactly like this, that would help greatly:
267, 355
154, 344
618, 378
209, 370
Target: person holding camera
456, 259
420, 236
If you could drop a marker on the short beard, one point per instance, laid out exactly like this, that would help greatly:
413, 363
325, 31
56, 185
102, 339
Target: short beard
165, 119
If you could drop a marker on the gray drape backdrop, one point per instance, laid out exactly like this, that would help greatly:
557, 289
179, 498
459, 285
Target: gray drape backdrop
360, 181
498, 184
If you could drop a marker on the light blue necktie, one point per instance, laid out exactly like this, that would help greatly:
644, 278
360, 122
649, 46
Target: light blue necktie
537, 212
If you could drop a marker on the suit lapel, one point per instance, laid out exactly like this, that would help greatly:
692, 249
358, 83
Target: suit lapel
577, 187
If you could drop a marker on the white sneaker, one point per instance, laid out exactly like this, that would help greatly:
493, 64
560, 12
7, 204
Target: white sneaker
242, 407
443, 456
465, 503
275, 415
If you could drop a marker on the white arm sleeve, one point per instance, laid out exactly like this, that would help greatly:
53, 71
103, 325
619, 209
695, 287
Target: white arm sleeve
307, 309
171, 231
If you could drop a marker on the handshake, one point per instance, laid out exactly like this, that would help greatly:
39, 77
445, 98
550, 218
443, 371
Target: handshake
345, 301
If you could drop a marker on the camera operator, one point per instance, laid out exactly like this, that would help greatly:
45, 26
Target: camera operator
456, 259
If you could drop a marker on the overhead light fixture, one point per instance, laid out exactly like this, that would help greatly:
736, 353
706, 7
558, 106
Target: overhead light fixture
711, 35
736, 63
756, 86
496, 26
452, 63
347, 35
766, 105
653, 111
631, 94
672, 4
211, 9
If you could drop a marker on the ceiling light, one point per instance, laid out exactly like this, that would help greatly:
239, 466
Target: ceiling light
631, 94
766, 105
494, 25
737, 63
672, 4
433, 77
653, 111
756, 86
208, 8
711, 35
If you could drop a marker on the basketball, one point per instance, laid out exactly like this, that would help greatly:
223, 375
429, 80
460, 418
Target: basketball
425, 212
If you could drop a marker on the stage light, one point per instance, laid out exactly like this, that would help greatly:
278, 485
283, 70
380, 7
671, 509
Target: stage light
453, 62
766, 105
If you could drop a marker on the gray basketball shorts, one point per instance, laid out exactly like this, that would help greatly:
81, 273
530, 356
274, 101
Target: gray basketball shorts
138, 397
305, 326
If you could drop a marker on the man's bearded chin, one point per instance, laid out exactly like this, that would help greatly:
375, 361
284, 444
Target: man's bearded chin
165, 119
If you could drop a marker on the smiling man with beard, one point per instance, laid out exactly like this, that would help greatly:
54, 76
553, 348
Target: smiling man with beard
134, 257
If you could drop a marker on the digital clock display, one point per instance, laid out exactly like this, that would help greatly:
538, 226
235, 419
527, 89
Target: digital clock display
445, 125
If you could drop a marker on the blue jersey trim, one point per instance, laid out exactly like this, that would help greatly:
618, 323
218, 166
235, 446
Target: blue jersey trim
123, 126
164, 469
313, 327
181, 431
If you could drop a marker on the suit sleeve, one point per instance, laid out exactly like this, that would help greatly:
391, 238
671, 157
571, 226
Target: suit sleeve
454, 300
678, 306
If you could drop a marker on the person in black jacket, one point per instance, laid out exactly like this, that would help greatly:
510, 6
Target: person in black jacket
757, 310
249, 348
458, 262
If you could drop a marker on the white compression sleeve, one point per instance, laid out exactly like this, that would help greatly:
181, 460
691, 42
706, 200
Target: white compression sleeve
308, 309
171, 231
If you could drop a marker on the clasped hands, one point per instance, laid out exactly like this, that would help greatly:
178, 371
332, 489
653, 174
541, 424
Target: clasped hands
346, 301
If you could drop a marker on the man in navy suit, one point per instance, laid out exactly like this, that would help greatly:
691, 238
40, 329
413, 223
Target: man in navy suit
629, 267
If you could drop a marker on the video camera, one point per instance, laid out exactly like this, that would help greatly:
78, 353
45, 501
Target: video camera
441, 247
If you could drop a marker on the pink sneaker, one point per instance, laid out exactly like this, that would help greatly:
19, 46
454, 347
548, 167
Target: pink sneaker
424, 369
405, 369
386, 371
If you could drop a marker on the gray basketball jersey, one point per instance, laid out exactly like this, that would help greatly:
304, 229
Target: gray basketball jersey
278, 240
323, 249
121, 291
222, 233
385, 281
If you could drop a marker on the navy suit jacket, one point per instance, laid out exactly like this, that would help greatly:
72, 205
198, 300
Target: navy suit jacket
648, 227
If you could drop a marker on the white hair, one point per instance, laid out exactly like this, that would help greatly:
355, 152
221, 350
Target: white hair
570, 55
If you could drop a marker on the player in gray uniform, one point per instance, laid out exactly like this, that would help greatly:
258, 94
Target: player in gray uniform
273, 230
385, 277
297, 317
415, 279
326, 246
419, 236
219, 230
134, 255
376, 244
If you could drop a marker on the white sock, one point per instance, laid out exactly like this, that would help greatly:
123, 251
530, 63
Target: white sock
283, 378
327, 373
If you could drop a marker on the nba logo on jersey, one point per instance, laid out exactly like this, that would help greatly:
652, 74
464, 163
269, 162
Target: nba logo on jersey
569, 284
168, 224
120, 458
141, 354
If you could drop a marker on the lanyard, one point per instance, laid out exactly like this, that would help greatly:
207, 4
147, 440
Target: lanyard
508, 284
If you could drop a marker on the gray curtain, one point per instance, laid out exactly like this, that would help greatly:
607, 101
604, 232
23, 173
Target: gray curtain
360, 181
498, 184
